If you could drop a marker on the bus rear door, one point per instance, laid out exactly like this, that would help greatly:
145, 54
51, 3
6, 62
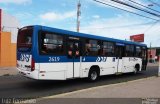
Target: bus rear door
73, 51
120, 50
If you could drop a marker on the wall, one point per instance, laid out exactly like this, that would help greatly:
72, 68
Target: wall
151, 53
0, 19
13, 60
10, 24
8, 37
7, 50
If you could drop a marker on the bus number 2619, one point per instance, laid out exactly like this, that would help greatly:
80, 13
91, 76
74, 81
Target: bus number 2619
54, 59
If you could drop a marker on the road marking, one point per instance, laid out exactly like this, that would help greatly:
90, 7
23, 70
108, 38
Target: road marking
94, 88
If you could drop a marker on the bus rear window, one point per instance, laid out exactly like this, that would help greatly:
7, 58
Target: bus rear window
25, 37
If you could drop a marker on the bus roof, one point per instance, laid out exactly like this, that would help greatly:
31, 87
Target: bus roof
72, 33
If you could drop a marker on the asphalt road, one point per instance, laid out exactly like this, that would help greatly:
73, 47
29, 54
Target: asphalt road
20, 87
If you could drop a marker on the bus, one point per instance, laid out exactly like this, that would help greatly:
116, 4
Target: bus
45, 53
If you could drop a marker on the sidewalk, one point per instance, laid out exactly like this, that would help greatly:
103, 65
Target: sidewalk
143, 88
153, 64
6, 71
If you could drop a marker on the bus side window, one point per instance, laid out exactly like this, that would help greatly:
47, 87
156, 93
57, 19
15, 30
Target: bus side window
108, 49
129, 51
77, 49
138, 51
92, 47
144, 53
43, 49
51, 43
43, 46
87, 48
70, 49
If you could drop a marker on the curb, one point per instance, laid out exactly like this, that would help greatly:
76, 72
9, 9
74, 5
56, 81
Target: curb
94, 88
8, 71
7, 75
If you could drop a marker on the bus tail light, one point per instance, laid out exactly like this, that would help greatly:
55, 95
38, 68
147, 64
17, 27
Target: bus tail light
32, 65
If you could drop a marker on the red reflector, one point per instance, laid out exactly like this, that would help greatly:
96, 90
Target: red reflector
32, 65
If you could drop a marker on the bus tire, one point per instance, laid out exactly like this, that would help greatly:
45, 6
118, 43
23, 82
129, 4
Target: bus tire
93, 75
137, 67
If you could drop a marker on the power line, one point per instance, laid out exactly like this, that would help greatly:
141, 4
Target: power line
123, 3
144, 6
124, 10
150, 27
122, 26
154, 3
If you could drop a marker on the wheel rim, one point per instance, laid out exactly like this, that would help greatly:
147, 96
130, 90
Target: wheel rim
94, 75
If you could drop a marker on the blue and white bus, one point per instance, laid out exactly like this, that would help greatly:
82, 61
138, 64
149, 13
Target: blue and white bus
45, 53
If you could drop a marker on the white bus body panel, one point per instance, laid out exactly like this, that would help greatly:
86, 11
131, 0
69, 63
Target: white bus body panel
73, 73
119, 65
106, 68
55, 71
129, 64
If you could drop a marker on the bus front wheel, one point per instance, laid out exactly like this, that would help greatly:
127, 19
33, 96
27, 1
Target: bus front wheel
93, 75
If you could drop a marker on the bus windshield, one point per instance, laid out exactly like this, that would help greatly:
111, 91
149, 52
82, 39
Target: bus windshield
25, 37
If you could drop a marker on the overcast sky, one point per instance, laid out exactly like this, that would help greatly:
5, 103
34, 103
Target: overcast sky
96, 18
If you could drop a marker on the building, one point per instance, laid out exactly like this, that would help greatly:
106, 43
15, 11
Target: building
8, 37
153, 54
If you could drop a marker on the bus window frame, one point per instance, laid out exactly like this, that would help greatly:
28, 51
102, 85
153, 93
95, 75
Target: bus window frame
136, 51
80, 39
99, 42
146, 52
51, 54
133, 54
114, 48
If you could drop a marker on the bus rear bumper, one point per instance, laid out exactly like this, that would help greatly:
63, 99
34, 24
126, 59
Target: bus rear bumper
52, 75
28, 74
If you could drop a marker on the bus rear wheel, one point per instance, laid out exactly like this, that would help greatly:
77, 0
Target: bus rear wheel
137, 67
93, 75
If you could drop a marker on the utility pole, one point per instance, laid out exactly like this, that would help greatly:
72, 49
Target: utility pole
78, 15
150, 57
159, 66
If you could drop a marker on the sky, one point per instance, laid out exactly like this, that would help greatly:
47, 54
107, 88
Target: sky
96, 18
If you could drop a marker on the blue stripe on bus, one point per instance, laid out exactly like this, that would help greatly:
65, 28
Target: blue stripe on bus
58, 59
